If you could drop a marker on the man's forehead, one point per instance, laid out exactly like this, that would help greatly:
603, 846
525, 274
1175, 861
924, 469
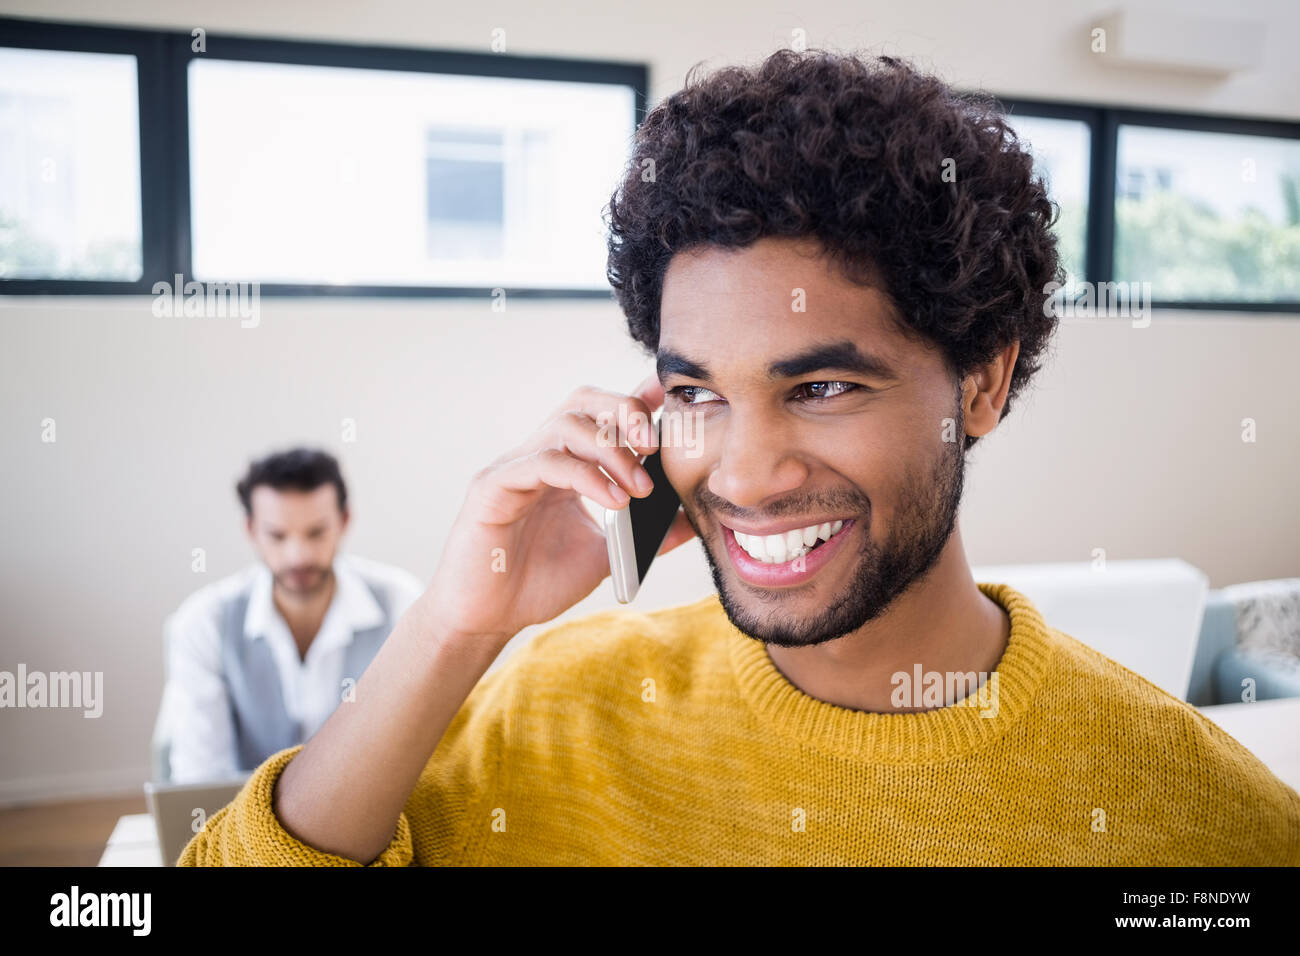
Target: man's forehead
293, 500
775, 288
777, 311
294, 494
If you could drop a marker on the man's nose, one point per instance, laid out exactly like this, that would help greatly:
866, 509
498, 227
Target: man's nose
296, 550
757, 460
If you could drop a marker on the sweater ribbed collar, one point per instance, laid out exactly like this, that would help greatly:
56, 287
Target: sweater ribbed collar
925, 736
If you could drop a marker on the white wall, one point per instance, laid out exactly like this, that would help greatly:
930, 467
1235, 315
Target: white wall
1130, 441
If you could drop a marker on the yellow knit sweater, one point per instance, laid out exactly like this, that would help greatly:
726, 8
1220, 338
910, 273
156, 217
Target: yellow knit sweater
669, 737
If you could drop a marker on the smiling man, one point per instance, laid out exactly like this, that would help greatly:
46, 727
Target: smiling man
868, 462
839, 265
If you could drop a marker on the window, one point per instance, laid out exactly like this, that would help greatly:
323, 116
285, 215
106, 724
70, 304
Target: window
314, 175
465, 181
1208, 216
69, 166
128, 157
1204, 209
1061, 149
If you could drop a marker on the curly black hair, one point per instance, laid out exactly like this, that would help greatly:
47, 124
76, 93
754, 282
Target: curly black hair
850, 150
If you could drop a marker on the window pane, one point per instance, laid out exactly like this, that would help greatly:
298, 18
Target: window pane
1208, 216
1061, 150
317, 175
69, 166
465, 176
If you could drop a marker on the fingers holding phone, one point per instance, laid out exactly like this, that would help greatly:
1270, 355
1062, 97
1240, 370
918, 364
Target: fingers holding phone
523, 548
638, 533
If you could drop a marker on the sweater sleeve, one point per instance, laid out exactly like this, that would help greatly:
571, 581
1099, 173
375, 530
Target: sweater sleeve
246, 832
450, 809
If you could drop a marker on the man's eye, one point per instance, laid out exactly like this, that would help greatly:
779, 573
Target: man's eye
686, 393
818, 391
825, 389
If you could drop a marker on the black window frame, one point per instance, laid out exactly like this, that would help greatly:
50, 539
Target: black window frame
156, 171
163, 58
1103, 124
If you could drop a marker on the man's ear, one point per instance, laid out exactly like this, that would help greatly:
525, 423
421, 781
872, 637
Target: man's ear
984, 392
347, 517
248, 526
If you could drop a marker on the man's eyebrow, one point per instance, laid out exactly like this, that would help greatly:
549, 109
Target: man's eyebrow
842, 356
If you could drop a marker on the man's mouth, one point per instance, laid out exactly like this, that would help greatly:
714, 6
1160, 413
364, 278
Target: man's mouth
787, 557
788, 545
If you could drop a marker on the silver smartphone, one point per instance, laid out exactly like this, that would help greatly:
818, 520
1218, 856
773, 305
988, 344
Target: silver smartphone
634, 533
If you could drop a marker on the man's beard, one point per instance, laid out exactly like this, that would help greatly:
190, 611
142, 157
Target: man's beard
921, 528
286, 583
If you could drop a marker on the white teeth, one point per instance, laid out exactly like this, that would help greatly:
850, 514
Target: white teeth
779, 548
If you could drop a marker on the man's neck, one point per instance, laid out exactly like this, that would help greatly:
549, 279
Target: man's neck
304, 614
943, 623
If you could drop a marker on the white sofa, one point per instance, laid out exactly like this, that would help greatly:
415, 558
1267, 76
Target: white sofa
1147, 615
1144, 614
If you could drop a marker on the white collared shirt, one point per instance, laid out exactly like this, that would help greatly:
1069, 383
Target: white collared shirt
196, 714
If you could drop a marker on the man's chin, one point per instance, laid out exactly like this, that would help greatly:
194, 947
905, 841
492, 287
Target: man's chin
300, 587
778, 628
786, 617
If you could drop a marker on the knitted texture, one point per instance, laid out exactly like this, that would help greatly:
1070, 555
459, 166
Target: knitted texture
669, 738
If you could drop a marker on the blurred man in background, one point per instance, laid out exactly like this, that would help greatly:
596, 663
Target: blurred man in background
256, 662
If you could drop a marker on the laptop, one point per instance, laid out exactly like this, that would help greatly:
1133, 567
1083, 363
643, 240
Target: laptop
180, 809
